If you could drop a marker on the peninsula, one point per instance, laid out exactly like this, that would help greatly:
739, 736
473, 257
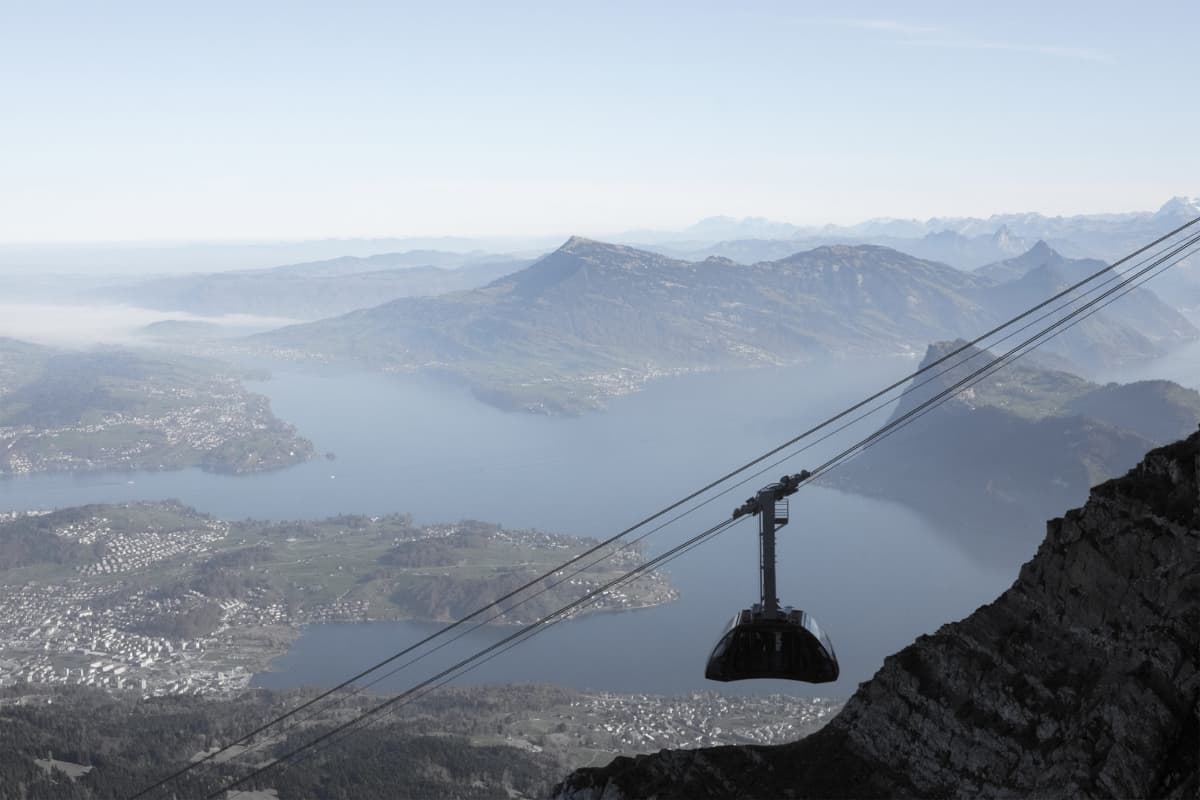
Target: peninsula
71, 411
159, 598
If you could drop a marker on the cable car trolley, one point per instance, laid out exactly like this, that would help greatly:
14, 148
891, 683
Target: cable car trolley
766, 640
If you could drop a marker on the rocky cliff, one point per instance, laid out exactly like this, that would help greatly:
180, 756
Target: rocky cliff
1081, 680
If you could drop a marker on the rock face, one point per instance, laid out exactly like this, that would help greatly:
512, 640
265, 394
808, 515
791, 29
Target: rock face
1081, 680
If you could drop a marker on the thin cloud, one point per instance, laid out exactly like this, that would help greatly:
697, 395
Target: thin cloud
1078, 53
888, 25
941, 36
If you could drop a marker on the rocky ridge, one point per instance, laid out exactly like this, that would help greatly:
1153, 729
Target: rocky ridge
1081, 680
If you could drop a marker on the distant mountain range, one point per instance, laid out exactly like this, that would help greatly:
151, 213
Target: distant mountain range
1029, 225
964, 242
948, 247
315, 289
1039, 439
592, 320
1138, 224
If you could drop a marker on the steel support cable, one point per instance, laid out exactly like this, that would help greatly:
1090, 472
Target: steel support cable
688, 498
455, 668
482, 656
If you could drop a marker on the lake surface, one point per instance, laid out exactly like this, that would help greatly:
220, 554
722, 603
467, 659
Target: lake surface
873, 573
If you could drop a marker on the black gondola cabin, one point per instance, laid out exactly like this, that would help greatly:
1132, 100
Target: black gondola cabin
766, 641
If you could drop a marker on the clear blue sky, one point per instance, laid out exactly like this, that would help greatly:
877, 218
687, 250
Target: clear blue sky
248, 120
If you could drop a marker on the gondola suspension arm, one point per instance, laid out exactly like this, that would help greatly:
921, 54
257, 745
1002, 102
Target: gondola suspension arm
772, 517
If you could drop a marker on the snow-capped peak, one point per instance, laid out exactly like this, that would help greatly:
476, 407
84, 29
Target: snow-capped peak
1180, 206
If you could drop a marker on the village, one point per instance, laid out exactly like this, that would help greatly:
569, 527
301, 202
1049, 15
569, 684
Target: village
641, 722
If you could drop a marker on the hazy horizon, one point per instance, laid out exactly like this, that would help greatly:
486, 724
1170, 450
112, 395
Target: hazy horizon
517, 241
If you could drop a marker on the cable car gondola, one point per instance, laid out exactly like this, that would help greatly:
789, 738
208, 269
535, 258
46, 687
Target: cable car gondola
765, 640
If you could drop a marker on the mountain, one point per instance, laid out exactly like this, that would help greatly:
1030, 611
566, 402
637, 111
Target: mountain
1082, 680
1011, 269
1138, 327
315, 289
965, 252
946, 246
1039, 439
712, 228
591, 320
477, 262
1178, 210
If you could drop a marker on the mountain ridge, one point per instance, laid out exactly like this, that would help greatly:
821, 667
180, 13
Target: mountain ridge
317, 289
597, 319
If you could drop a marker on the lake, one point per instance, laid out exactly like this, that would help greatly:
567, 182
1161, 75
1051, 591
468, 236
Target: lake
873, 573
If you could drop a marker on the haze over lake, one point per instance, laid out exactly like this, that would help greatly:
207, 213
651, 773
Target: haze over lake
873, 573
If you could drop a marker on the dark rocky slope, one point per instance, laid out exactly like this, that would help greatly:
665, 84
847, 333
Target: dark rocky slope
1082, 680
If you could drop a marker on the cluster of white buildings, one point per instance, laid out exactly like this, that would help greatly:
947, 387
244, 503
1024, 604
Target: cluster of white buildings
634, 723
130, 551
601, 386
77, 633
98, 633
201, 421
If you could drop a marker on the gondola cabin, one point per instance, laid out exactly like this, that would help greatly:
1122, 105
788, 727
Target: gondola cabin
767, 641
790, 646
